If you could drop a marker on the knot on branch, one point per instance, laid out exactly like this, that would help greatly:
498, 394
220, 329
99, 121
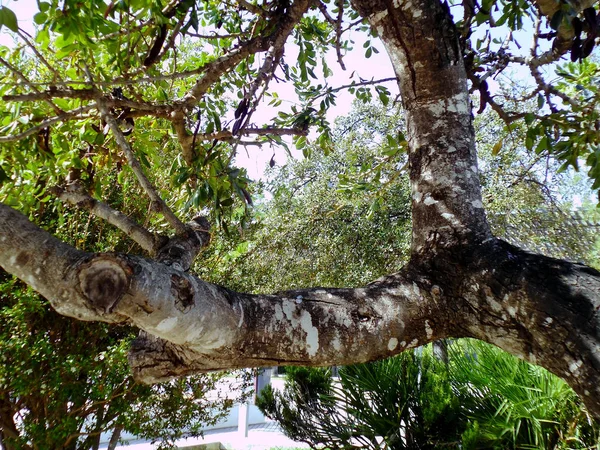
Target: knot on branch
181, 250
200, 226
183, 292
104, 280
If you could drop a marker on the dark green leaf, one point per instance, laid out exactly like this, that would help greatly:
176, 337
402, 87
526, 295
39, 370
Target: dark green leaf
9, 19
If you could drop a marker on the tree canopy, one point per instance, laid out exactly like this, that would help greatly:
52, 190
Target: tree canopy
106, 93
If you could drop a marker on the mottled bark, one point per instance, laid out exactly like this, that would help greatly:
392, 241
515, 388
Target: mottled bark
460, 281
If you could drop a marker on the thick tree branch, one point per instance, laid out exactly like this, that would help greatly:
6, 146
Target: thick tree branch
543, 309
446, 195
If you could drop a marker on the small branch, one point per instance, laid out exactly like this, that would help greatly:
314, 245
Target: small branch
539, 79
536, 35
75, 194
337, 23
157, 201
283, 26
268, 131
33, 48
26, 81
126, 31
354, 84
353, 24
215, 35
338, 33
254, 9
74, 114
159, 110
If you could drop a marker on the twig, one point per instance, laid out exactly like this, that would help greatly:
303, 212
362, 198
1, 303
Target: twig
23, 36
254, 9
75, 194
46, 123
354, 84
27, 82
283, 27
137, 169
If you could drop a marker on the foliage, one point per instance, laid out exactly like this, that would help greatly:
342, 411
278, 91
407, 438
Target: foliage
482, 398
401, 402
144, 58
529, 202
320, 227
343, 219
513, 404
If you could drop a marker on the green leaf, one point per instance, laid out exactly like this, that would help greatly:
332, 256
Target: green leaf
529, 118
540, 101
40, 18
9, 18
497, 147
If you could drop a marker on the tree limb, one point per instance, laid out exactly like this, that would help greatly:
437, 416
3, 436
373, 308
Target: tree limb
156, 199
543, 309
75, 194
73, 114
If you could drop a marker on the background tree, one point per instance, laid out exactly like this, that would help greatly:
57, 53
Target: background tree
104, 86
342, 218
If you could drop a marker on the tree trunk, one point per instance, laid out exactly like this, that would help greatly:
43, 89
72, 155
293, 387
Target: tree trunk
460, 281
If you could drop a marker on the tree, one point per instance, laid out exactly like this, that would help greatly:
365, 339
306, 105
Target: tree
116, 68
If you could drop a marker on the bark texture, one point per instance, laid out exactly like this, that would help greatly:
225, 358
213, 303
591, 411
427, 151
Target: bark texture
461, 281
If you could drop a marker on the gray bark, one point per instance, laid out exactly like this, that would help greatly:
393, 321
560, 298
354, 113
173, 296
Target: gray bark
460, 281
